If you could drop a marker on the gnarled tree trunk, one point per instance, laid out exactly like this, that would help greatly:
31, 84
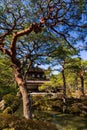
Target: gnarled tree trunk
27, 103
12, 54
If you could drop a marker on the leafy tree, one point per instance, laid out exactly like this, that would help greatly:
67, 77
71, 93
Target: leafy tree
34, 50
7, 83
63, 56
79, 67
18, 19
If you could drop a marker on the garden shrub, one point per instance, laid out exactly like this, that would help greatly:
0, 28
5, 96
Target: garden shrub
8, 110
74, 109
12, 103
8, 98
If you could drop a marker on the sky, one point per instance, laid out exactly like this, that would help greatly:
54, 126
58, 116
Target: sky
82, 45
83, 55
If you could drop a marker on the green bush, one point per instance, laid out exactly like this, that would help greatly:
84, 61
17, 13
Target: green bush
57, 105
74, 109
8, 98
12, 101
8, 110
15, 104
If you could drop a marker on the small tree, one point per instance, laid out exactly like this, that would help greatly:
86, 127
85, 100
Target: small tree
62, 56
79, 67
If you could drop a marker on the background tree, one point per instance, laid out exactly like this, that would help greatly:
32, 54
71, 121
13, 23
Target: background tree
79, 67
62, 56
7, 83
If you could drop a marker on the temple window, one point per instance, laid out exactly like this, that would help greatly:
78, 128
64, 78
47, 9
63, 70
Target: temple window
38, 76
33, 75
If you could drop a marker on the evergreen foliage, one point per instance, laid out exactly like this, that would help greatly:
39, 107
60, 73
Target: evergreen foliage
7, 83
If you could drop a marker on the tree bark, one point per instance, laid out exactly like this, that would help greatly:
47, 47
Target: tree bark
82, 84
27, 102
64, 83
64, 90
76, 82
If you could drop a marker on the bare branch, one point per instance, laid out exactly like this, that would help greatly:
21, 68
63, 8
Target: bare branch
64, 37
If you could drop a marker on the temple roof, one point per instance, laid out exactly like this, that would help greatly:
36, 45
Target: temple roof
36, 69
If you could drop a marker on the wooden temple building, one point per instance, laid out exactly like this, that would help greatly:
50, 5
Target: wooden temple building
35, 78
